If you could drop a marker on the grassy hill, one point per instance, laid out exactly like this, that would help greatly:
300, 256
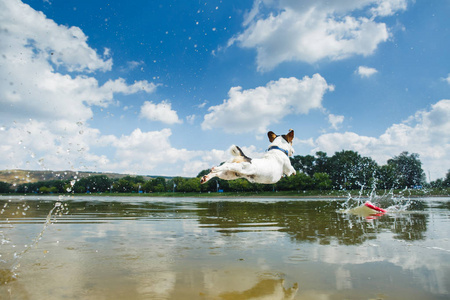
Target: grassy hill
24, 176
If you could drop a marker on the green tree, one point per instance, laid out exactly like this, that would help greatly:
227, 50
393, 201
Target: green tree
349, 170
305, 164
408, 169
175, 183
446, 181
93, 184
437, 184
48, 190
321, 163
54, 186
5, 187
189, 185
156, 185
241, 185
322, 181
387, 177
300, 181
123, 186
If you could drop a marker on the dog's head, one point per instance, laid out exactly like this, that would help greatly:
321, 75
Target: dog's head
282, 141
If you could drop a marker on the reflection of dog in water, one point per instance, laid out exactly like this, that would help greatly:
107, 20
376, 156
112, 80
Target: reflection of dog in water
268, 169
272, 289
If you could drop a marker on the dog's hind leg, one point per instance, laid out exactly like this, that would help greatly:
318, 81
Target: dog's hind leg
215, 172
208, 177
224, 174
227, 171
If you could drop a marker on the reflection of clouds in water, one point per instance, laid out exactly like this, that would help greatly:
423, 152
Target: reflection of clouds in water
104, 259
343, 279
425, 263
191, 226
246, 283
157, 285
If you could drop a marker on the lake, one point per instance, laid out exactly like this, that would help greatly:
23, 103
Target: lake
88, 247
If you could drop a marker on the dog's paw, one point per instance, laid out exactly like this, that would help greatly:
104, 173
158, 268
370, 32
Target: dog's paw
293, 173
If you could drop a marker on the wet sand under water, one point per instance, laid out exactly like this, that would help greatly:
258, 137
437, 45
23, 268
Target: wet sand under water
268, 248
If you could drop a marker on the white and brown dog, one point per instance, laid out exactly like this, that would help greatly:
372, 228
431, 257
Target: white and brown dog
268, 169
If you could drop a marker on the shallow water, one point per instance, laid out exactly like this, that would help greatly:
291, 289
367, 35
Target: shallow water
196, 248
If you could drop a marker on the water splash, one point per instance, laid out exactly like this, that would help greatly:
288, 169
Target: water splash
389, 201
10, 265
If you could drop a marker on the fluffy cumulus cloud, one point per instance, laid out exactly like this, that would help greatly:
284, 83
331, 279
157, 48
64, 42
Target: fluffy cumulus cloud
425, 133
255, 109
40, 39
38, 60
48, 90
364, 71
142, 152
52, 145
310, 31
159, 112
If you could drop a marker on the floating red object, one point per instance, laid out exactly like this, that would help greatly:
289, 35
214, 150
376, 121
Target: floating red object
371, 206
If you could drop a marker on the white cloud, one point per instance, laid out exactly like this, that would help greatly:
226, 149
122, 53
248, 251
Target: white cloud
202, 104
56, 145
191, 119
36, 55
425, 133
256, 109
65, 47
447, 79
314, 30
364, 71
159, 112
335, 120
388, 7
141, 152
131, 65
46, 110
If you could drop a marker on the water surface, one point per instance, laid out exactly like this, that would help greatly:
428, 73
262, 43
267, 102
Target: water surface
197, 248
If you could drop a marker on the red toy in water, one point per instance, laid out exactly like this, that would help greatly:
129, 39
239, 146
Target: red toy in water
371, 206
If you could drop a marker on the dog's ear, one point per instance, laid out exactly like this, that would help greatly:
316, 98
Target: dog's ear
290, 136
272, 136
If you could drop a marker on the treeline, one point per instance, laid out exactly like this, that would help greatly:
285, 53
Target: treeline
345, 170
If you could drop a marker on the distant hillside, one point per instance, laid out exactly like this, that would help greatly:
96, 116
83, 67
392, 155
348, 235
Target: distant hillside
24, 176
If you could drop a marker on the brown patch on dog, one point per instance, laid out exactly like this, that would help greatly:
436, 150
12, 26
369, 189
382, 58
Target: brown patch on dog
289, 137
272, 136
242, 157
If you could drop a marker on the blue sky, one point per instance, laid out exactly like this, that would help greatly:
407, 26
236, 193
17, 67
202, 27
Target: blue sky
166, 87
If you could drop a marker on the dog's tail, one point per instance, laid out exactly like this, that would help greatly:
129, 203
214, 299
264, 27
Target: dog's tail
239, 154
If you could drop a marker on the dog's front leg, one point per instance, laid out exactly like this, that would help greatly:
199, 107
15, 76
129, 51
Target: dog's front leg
289, 171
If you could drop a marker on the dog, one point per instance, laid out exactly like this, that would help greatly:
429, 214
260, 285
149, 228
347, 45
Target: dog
266, 170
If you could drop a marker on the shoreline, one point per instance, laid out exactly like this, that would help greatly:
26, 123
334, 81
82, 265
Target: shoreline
279, 194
